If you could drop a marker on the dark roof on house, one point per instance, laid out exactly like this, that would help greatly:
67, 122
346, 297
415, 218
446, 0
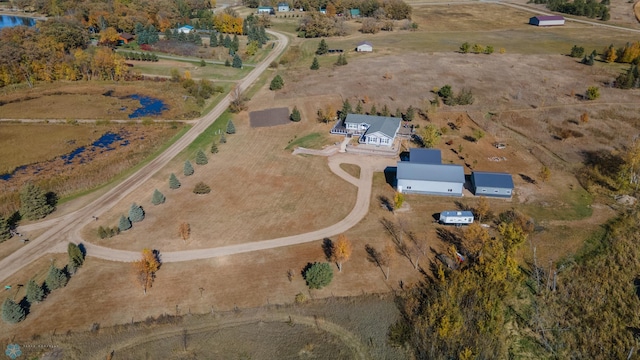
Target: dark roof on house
430, 172
386, 125
492, 179
364, 43
425, 156
548, 17
126, 36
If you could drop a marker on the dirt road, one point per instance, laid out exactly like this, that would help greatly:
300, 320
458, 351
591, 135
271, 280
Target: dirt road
66, 227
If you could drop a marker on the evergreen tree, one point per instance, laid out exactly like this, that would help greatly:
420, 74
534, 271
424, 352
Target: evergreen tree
231, 129
33, 202
235, 43
373, 110
157, 198
174, 183
323, 48
318, 275
136, 213
346, 109
359, 109
385, 111
5, 229
277, 83
213, 41
410, 114
76, 257
223, 139
315, 65
227, 62
152, 34
56, 278
221, 40
201, 188
227, 42
214, 147
35, 292
398, 113
188, 168
124, 224
295, 114
168, 35
12, 313
237, 62
201, 158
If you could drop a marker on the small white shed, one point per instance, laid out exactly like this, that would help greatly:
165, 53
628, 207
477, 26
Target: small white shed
364, 46
456, 217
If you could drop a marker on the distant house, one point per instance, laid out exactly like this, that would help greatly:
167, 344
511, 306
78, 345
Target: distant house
323, 10
364, 46
266, 10
492, 184
283, 7
424, 173
372, 130
456, 218
186, 29
354, 12
547, 20
125, 38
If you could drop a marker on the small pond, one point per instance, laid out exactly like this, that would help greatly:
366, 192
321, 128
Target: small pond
102, 144
11, 21
148, 106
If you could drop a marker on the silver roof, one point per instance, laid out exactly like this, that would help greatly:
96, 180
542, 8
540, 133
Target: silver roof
386, 125
430, 172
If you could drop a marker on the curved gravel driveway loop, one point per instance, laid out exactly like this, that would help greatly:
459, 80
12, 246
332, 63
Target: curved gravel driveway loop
66, 228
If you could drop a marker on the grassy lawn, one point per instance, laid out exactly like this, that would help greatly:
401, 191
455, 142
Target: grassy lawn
574, 205
310, 141
352, 169
210, 71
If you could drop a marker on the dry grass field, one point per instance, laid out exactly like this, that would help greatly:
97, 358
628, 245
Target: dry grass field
526, 98
213, 72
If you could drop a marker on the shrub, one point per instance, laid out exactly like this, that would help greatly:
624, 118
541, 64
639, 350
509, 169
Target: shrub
318, 275
188, 168
214, 147
277, 83
102, 232
301, 298
593, 92
12, 313
136, 213
295, 114
124, 224
223, 139
315, 65
201, 158
157, 198
174, 183
201, 188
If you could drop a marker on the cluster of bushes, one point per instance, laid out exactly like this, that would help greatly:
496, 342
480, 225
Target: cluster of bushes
14, 312
466, 48
629, 79
108, 232
464, 97
142, 56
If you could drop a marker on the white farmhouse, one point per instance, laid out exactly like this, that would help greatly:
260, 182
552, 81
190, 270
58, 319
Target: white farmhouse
373, 130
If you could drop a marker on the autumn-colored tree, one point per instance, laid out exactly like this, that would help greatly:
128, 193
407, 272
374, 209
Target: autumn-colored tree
330, 10
610, 54
630, 170
482, 208
398, 200
584, 117
474, 237
184, 230
387, 256
109, 37
430, 136
145, 269
544, 174
341, 251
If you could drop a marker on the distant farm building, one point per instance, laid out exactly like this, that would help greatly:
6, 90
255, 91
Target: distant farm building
186, 29
283, 7
354, 12
364, 46
456, 217
372, 130
424, 173
125, 38
266, 10
492, 184
547, 20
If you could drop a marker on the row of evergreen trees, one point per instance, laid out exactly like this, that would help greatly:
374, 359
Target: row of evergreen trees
142, 56
35, 204
14, 312
182, 37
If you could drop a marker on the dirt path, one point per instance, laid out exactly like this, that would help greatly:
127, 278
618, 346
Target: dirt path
66, 227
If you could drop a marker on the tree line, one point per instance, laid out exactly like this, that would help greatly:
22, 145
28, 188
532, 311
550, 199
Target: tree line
589, 8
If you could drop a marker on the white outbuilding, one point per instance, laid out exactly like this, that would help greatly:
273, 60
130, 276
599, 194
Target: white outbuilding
456, 217
547, 20
364, 46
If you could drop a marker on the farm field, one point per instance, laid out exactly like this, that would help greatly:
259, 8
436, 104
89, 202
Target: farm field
527, 98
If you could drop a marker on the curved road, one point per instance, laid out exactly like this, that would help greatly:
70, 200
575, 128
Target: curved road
69, 224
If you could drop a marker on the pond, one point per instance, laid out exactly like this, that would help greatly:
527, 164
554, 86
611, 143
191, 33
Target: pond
148, 106
102, 144
11, 21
